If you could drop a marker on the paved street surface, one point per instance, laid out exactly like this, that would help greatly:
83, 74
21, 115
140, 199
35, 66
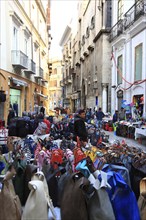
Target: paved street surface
130, 142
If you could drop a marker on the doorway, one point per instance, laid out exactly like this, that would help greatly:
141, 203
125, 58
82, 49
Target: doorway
15, 97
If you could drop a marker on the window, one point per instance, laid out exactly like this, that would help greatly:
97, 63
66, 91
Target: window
120, 67
138, 62
53, 83
83, 40
120, 9
15, 38
26, 46
79, 45
92, 23
55, 71
87, 32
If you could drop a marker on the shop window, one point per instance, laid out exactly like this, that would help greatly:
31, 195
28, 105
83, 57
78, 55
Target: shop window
138, 63
120, 68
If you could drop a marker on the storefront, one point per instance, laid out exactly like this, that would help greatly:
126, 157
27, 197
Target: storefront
138, 105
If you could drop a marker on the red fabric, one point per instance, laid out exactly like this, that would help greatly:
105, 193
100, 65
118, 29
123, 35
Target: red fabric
78, 155
56, 157
48, 126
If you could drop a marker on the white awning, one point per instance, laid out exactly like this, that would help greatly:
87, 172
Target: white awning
19, 82
42, 95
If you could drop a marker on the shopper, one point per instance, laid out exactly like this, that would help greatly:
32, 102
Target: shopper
116, 116
80, 127
10, 116
42, 109
99, 116
122, 114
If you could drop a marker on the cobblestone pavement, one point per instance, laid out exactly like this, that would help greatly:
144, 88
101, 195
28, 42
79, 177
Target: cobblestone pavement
130, 142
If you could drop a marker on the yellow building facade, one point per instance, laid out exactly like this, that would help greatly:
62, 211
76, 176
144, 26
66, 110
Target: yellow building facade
23, 56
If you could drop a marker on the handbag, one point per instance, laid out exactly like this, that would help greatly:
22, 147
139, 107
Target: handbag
122, 198
142, 199
73, 202
119, 169
99, 205
38, 201
10, 206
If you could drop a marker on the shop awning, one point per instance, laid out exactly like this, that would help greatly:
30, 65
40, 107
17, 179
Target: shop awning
19, 82
42, 95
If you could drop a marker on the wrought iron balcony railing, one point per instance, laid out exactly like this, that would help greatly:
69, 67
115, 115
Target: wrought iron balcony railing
19, 59
116, 30
133, 14
136, 11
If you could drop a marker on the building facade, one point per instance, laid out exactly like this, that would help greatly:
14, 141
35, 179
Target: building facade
55, 90
128, 41
23, 55
88, 58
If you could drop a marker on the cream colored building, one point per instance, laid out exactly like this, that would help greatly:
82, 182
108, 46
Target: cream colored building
89, 65
23, 55
128, 41
55, 90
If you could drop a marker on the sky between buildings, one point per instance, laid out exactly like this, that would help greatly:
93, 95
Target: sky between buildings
62, 12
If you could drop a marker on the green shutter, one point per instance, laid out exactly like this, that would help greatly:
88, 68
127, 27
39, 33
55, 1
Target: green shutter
138, 62
120, 72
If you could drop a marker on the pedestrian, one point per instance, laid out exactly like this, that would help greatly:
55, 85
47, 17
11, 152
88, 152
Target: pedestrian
80, 127
10, 116
42, 109
99, 116
15, 107
116, 116
122, 114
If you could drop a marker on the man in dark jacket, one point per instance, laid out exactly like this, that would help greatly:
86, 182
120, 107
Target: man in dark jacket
10, 116
99, 116
80, 127
116, 116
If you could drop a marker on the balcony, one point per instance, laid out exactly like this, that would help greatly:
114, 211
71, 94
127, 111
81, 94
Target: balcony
40, 73
137, 11
31, 67
135, 18
19, 59
116, 30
